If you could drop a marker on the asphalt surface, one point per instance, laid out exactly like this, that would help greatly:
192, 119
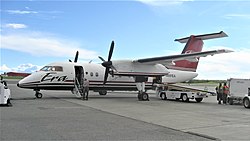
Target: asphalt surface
55, 118
59, 115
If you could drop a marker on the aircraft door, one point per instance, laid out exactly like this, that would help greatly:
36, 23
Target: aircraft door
79, 74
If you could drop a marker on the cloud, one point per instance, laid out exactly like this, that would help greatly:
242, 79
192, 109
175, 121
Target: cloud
15, 25
29, 68
242, 16
21, 12
4, 68
45, 15
159, 3
41, 44
224, 66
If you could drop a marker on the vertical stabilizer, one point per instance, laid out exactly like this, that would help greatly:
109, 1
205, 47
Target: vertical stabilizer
194, 44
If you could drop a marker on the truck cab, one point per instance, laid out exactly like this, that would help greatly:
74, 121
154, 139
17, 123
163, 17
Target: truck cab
239, 91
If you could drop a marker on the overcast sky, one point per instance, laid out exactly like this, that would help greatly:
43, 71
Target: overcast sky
35, 33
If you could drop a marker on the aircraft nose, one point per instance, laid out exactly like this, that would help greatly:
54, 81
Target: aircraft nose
19, 85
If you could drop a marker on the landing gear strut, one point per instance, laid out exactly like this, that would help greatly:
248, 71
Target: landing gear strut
38, 94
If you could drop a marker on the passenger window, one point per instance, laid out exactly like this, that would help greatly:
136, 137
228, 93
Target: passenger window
91, 74
86, 73
96, 74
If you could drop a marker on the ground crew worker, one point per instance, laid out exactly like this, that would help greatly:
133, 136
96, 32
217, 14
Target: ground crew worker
225, 93
86, 89
219, 91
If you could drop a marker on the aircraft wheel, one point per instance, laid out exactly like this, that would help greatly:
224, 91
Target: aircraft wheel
198, 99
246, 103
139, 96
102, 92
144, 96
185, 98
8, 103
230, 101
163, 96
39, 95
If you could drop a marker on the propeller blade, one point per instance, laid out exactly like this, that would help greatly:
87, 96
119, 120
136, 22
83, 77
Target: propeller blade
76, 57
111, 50
108, 64
106, 75
101, 58
113, 68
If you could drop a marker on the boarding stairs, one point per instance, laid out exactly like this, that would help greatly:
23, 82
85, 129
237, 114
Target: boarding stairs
78, 89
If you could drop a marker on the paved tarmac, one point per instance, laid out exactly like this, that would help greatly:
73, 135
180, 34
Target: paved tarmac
59, 115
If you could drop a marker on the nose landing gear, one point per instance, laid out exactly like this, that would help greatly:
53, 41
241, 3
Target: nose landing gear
38, 94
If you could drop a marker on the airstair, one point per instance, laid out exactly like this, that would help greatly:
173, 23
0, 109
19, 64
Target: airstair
78, 89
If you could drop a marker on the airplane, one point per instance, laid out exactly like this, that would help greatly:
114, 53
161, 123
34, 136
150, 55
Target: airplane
124, 75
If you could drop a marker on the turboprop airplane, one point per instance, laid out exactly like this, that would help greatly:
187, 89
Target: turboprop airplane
125, 75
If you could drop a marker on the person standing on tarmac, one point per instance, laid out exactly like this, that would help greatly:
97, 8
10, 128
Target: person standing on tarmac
225, 93
219, 91
86, 89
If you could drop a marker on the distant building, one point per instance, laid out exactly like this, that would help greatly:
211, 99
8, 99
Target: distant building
17, 74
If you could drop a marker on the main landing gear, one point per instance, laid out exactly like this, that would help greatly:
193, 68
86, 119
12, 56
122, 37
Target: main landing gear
38, 94
142, 95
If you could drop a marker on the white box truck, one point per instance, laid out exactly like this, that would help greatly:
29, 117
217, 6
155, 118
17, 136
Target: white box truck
239, 90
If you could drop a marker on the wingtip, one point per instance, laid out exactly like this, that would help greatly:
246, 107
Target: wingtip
225, 50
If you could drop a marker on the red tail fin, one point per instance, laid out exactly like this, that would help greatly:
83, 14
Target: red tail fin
194, 44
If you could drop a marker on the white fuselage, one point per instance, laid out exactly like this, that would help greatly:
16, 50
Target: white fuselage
64, 79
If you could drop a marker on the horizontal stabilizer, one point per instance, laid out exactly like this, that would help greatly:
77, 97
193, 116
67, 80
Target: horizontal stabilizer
204, 37
187, 56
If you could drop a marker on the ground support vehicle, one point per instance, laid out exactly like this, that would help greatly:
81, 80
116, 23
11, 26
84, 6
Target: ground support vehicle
239, 90
174, 92
4, 94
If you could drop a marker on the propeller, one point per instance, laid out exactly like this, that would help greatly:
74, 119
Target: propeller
76, 57
108, 64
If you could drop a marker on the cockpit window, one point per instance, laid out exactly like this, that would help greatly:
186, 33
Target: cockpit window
46, 68
57, 68
52, 68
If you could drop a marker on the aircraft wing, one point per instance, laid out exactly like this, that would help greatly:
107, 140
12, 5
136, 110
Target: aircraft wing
192, 57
